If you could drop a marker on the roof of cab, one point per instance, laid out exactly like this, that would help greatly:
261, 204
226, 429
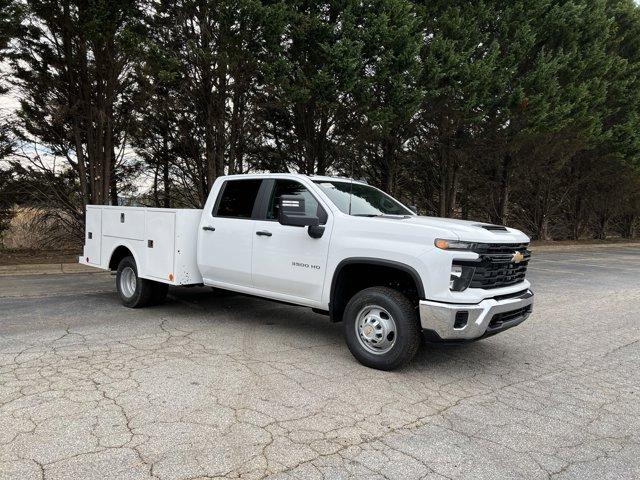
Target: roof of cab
294, 175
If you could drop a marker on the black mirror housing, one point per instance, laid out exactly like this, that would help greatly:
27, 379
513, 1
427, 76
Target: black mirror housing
292, 212
316, 231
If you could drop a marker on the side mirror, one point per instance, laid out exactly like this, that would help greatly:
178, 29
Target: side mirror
292, 212
413, 208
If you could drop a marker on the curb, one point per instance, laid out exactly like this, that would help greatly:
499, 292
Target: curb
581, 246
48, 269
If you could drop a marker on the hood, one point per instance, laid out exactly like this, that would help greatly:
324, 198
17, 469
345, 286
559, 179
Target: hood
466, 230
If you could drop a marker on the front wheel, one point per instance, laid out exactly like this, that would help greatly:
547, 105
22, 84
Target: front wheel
381, 328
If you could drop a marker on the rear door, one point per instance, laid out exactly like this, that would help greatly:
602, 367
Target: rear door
286, 260
226, 237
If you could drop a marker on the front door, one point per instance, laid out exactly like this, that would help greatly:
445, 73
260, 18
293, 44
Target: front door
226, 237
286, 260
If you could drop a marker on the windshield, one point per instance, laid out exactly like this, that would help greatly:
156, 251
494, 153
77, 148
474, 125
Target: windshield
365, 200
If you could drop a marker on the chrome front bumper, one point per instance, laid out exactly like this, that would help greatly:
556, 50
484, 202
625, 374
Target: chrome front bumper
469, 322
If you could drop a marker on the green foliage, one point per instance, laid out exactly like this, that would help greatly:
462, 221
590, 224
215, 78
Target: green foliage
311, 63
517, 112
386, 95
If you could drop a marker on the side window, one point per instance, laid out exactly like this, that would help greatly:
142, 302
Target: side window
291, 187
238, 198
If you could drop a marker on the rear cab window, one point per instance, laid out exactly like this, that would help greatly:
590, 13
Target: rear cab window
237, 198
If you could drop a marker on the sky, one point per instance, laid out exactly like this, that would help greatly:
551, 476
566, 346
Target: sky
8, 102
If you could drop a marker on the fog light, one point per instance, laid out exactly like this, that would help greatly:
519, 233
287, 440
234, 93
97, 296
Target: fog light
460, 278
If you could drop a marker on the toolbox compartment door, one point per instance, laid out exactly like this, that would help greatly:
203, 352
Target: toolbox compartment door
160, 245
93, 236
124, 222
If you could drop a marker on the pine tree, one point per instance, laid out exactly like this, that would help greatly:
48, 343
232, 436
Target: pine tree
197, 81
71, 65
311, 64
9, 19
386, 95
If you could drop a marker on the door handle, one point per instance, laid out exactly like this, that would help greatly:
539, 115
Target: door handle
209, 228
263, 233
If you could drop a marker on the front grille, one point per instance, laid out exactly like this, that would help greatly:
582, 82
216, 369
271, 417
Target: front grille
500, 248
500, 319
495, 267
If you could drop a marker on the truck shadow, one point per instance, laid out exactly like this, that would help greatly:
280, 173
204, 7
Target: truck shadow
290, 324
252, 312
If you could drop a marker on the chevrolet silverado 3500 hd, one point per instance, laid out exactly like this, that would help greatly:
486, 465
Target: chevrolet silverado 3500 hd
336, 245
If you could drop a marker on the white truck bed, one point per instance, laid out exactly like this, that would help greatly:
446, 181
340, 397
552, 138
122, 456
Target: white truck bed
163, 241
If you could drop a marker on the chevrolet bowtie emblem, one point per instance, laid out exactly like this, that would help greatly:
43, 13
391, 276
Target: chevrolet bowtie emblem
517, 257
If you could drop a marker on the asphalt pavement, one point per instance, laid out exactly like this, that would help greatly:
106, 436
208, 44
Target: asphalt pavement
214, 385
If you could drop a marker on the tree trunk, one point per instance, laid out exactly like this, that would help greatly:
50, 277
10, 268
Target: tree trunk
82, 164
221, 121
209, 147
601, 226
505, 177
321, 148
388, 166
541, 211
107, 149
156, 198
443, 180
542, 232
451, 188
304, 131
166, 183
113, 185
234, 129
577, 220
73, 104
629, 224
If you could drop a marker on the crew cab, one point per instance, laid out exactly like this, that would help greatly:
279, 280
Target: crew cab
336, 245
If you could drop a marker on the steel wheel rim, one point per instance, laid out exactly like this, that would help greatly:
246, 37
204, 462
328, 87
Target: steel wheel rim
128, 282
376, 329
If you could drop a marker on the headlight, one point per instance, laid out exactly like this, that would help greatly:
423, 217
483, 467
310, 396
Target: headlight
453, 244
460, 278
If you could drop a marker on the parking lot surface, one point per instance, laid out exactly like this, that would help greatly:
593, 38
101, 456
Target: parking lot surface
216, 385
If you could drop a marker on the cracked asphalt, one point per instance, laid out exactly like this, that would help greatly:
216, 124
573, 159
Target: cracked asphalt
215, 385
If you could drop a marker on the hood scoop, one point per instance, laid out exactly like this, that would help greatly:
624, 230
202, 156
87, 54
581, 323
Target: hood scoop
493, 228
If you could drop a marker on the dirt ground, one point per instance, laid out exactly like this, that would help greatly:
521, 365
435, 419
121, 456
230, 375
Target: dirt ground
28, 256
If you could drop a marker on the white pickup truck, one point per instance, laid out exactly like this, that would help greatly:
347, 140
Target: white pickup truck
336, 245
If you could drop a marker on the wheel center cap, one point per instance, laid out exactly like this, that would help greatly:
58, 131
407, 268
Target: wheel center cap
367, 330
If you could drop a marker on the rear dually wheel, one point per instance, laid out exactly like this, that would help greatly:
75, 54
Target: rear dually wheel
136, 292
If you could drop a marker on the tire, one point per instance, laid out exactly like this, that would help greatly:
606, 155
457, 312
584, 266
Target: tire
381, 328
134, 292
